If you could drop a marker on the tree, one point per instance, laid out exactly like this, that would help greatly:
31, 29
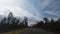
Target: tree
25, 21
46, 20
39, 24
52, 21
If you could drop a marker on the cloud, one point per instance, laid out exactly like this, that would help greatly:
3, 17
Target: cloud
46, 8
17, 11
18, 8
36, 8
7, 6
53, 8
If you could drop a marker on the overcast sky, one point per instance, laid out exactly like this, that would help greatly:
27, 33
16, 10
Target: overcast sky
31, 8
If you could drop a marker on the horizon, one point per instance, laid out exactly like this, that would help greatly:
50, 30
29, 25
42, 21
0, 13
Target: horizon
35, 10
29, 16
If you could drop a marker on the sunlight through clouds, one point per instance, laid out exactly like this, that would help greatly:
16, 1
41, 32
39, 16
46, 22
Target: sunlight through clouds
7, 6
21, 12
34, 9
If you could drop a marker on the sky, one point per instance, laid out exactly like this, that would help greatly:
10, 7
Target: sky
31, 8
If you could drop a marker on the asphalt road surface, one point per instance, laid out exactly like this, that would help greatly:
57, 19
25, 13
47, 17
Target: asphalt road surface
35, 31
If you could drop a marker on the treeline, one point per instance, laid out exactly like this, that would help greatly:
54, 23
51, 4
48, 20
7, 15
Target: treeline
49, 25
12, 23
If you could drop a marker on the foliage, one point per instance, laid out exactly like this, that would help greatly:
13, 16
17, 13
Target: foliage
49, 25
12, 23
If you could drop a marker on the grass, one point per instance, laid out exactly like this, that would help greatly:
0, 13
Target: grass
17, 31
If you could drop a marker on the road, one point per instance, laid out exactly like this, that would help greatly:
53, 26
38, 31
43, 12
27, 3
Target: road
35, 31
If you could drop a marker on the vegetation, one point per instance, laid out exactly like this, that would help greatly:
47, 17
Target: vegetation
12, 23
49, 25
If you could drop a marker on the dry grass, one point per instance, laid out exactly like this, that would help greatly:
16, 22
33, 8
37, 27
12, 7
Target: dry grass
18, 31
